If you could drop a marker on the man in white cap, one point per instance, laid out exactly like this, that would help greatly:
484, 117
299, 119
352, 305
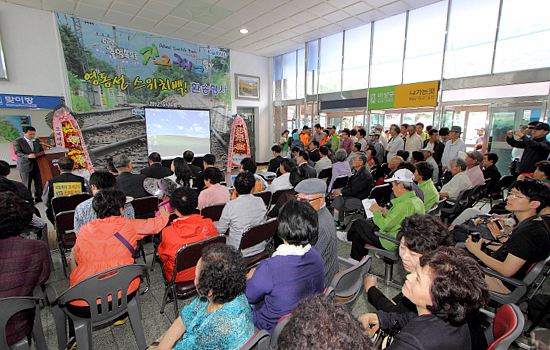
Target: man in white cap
386, 221
459, 182
380, 129
428, 157
313, 191
452, 147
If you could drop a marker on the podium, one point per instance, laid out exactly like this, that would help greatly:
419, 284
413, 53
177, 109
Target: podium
47, 162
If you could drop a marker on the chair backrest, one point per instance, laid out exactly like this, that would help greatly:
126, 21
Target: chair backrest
278, 194
278, 329
259, 233
265, 196
213, 211
465, 197
340, 181
349, 283
380, 192
64, 203
189, 255
104, 285
9, 307
505, 182
64, 221
534, 271
507, 326
145, 205
325, 173
436, 210
477, 193
259, 341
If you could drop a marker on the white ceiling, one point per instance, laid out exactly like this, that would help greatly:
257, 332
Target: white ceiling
275, 26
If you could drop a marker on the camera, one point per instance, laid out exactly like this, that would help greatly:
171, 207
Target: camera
476, 236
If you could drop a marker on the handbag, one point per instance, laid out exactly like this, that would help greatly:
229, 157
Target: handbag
384, 338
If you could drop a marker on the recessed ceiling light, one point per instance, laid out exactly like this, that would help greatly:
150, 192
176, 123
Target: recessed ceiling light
244, 31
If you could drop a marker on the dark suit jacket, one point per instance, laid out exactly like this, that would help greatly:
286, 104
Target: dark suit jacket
359, 184
131, 184
314, 155
156, 170
439, 147
22, 149
493, 174
274, 164
194, 169
310, 171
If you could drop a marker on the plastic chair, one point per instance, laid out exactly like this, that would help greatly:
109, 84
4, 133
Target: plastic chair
381, 193
265, 195
325, 174
502, 185
102, 286
340, 182
213, 211
10, 307
283, 321
70, 202
463, 201
66, 238
259, 341
506, 327
187, 256
256, 235
521, 287
277, 194
347, 284
145, 205
389, 258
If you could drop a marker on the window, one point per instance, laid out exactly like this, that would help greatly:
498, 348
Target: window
330, 63
387, 51
312, 71
300, 86
471, 37
277, 73
425, 43
524, 34
289, 76
356, 58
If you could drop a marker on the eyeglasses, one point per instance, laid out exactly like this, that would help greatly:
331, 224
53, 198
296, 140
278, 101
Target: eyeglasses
516, 195
305, 199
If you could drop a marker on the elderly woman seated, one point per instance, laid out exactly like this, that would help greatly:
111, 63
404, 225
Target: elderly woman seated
446, 287
294, 272
220, 317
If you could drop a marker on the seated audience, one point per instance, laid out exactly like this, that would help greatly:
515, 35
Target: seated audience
99, 248
417, 156
320, 323
22, 190
428, 156
474, 172
161, 189
302, 160
155, 169
130, 184
357, 189
355, 148
63, 184
314, 154
189, 157
283, 181
293, 273
182, 174
340, 168
187, 228
276, 160
295, 178
529, 240
35, 228
370, 153
241, 213
459, 181
346, 142
542, 173
111, 166
24, 263
220, 317
209, 160
324, 162
491, 172
386, 171
446, 287
84, 213
412, 168
214, 193
386, 221
249, 165
423, 175
313, 191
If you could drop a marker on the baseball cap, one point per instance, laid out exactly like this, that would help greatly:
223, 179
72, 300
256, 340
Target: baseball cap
374, 133
402, 175
542, 126
427, 150
475, 155
456, 128
377, 126
311, 186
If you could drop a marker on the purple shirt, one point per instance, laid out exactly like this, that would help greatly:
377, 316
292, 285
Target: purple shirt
339, 169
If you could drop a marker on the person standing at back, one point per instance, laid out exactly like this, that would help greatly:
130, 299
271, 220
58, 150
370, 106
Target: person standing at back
26, 148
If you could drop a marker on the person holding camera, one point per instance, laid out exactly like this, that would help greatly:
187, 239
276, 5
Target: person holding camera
526, 244
536, 147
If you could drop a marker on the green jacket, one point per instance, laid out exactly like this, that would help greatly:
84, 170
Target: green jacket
431, 196
335, 141
389, 224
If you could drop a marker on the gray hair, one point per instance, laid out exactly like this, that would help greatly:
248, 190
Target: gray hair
121, 161
341, 155
407, 185
460, 163
362, 157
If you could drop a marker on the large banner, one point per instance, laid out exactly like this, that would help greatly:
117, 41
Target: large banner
402, 96
114, 72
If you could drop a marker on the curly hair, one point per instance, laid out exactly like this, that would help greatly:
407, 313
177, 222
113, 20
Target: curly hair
424, 233
244, 182
223, 271
15, 214
319, 323
108, 203
184, 200
458, 284
298, 223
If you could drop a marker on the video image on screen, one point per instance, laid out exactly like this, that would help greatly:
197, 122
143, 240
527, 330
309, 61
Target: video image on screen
172, 131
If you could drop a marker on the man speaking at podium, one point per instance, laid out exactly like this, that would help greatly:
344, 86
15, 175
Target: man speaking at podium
26, 148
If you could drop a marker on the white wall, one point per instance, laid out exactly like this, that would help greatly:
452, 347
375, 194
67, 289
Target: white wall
34, 58
248, 64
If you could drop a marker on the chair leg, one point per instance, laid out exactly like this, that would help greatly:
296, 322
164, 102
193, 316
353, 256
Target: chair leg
60, 326
165, 299
175, 301
38, 332
135, 320
23, 344
83, 334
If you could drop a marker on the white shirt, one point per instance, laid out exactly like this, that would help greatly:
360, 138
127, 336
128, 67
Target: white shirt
395, 144
451, 151
458, 183
414, 143
322, 163
435, 176
280, 183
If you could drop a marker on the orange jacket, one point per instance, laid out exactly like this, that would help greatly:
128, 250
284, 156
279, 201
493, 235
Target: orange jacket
184, 230
97, 249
